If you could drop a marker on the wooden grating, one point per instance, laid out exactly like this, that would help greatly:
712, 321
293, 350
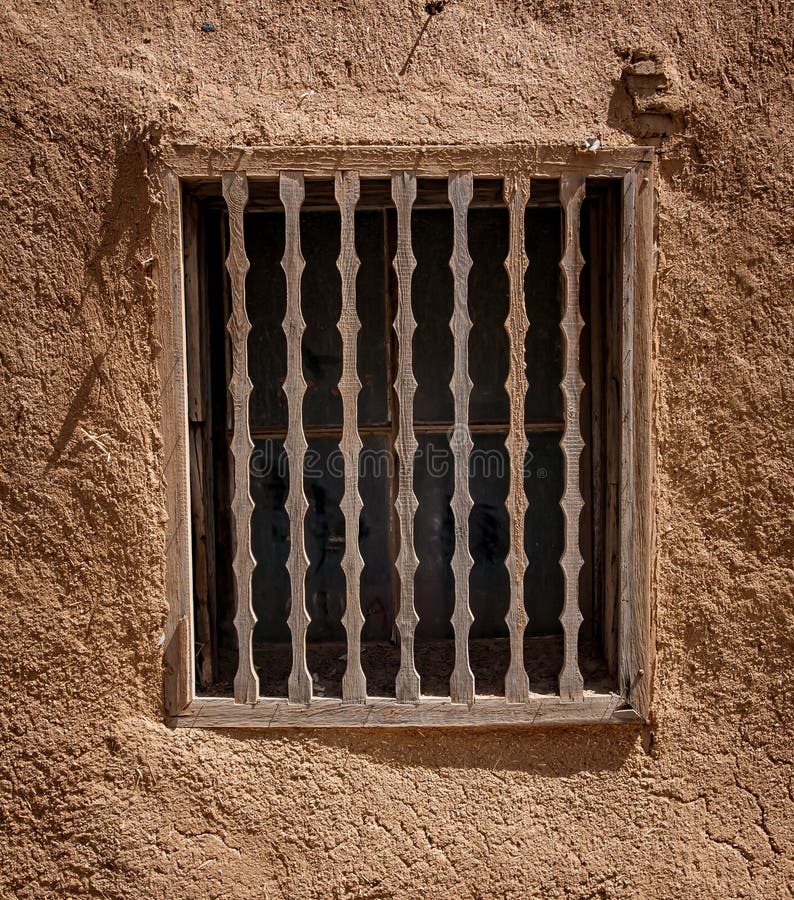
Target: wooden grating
463, 706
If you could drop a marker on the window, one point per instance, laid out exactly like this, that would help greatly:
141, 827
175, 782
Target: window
452, 347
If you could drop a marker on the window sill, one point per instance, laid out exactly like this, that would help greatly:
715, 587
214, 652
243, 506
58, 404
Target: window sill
541, 710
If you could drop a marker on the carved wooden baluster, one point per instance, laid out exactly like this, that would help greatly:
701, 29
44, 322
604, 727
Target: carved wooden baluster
461, 685
348, 191
516, 195
246, 682
292, 193
572, 191
403, 189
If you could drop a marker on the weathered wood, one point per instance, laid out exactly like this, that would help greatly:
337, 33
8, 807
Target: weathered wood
585, 580
392, 354
220, 310
461, 684
517, 325
178, 633
291, 190
335, 431
194, 325
597, 419
202, 556
200, 442
404, 193
632, 570
626, 490
246, 682
572, 190
226, 303
348, 190
637, 458
612, 379
424, 161
428, 712
376, 195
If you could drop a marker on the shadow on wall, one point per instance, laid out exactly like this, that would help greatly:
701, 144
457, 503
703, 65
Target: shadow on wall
552, 752
114, 272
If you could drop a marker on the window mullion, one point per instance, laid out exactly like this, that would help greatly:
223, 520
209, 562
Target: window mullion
404, 193
516, 197
246, 682
292, 192
461, 190
572, 191
347, 192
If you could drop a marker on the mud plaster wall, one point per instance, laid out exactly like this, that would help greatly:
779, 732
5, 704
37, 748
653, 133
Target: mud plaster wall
97, 797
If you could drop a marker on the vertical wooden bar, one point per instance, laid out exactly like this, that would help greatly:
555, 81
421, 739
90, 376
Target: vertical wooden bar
585, 589
347, 192
597, 443
612, 378
461, 190
572, 190
246, 682
626, 494
637, 463
403, 188
636, 471
200, 442
392, 354
516, 192
291, 191
178, 650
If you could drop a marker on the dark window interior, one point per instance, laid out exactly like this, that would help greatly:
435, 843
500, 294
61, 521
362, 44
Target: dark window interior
432, 296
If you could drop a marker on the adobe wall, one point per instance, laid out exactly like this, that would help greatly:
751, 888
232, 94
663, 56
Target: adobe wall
97, 796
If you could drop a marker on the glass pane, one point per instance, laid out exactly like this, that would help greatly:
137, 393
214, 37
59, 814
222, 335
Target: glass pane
544, 308
324, 534
489, 300
434, 536
374, 481
371, 305
488, 538
321, 304
270, 540
543, 534
266, 302
432, 299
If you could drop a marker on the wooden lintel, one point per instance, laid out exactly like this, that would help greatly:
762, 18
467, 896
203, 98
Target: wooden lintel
196, 161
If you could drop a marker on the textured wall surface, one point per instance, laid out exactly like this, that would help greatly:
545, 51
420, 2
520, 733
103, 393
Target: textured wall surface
97, 796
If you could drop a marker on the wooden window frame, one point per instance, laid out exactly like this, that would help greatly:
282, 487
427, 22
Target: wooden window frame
516, 164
